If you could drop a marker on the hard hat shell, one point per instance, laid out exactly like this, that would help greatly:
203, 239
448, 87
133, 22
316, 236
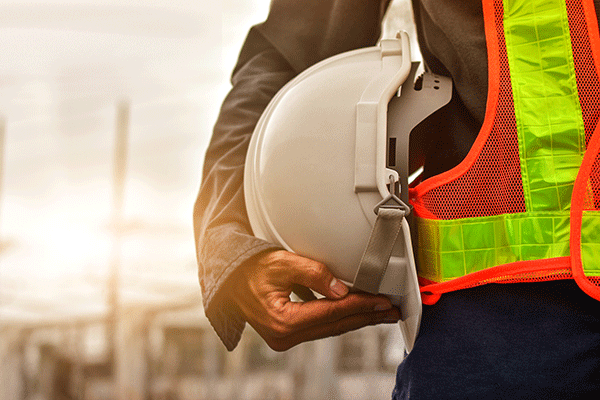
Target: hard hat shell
299, 181
316, 167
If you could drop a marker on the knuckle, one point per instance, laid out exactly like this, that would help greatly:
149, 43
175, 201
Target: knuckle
279, 256
316, 270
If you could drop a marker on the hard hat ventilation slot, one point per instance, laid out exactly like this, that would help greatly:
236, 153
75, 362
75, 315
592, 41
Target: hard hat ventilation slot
418, 83
392, 152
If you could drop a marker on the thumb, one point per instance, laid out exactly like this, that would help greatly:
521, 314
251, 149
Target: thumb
338, 288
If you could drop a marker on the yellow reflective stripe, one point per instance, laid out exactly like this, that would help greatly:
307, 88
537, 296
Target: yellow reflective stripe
547, 109
590, 242
449, 249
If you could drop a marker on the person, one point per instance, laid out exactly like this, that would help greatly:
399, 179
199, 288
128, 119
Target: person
519, 340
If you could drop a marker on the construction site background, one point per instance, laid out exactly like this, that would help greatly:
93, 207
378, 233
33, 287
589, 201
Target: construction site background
106, 109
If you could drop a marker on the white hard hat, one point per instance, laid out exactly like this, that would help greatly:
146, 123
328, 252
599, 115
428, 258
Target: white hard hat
320, 161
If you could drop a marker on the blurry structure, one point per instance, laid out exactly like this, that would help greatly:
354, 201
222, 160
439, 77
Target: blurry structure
169, 353
151, 340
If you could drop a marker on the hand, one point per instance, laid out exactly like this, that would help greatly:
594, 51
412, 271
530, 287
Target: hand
262, 292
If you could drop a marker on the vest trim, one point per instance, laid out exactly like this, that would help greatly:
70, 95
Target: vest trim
584, 250
521, 271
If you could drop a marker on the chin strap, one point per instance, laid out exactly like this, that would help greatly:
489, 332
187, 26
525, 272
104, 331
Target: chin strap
376, 257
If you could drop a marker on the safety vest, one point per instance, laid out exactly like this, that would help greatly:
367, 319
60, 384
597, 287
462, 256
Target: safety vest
524, 205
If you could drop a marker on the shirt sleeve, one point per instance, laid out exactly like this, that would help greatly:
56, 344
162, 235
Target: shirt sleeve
295, 35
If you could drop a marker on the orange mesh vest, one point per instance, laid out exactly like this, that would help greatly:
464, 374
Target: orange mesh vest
524, 205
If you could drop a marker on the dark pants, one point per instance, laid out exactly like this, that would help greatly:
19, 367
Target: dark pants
509, 341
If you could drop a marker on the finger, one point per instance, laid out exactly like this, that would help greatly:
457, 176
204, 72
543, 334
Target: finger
325, 311
316, 276
347, 324
290, 268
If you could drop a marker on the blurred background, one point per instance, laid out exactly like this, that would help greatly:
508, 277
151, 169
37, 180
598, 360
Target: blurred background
106, 108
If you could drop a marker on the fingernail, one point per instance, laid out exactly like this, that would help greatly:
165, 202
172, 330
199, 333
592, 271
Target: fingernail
338, 287
382, 307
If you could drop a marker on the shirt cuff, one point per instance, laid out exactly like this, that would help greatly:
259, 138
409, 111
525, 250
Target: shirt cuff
223, 314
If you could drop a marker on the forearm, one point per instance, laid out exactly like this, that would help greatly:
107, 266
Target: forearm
224, 238
223, 232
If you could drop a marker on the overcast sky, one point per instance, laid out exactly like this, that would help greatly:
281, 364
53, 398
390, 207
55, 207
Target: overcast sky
65, 67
